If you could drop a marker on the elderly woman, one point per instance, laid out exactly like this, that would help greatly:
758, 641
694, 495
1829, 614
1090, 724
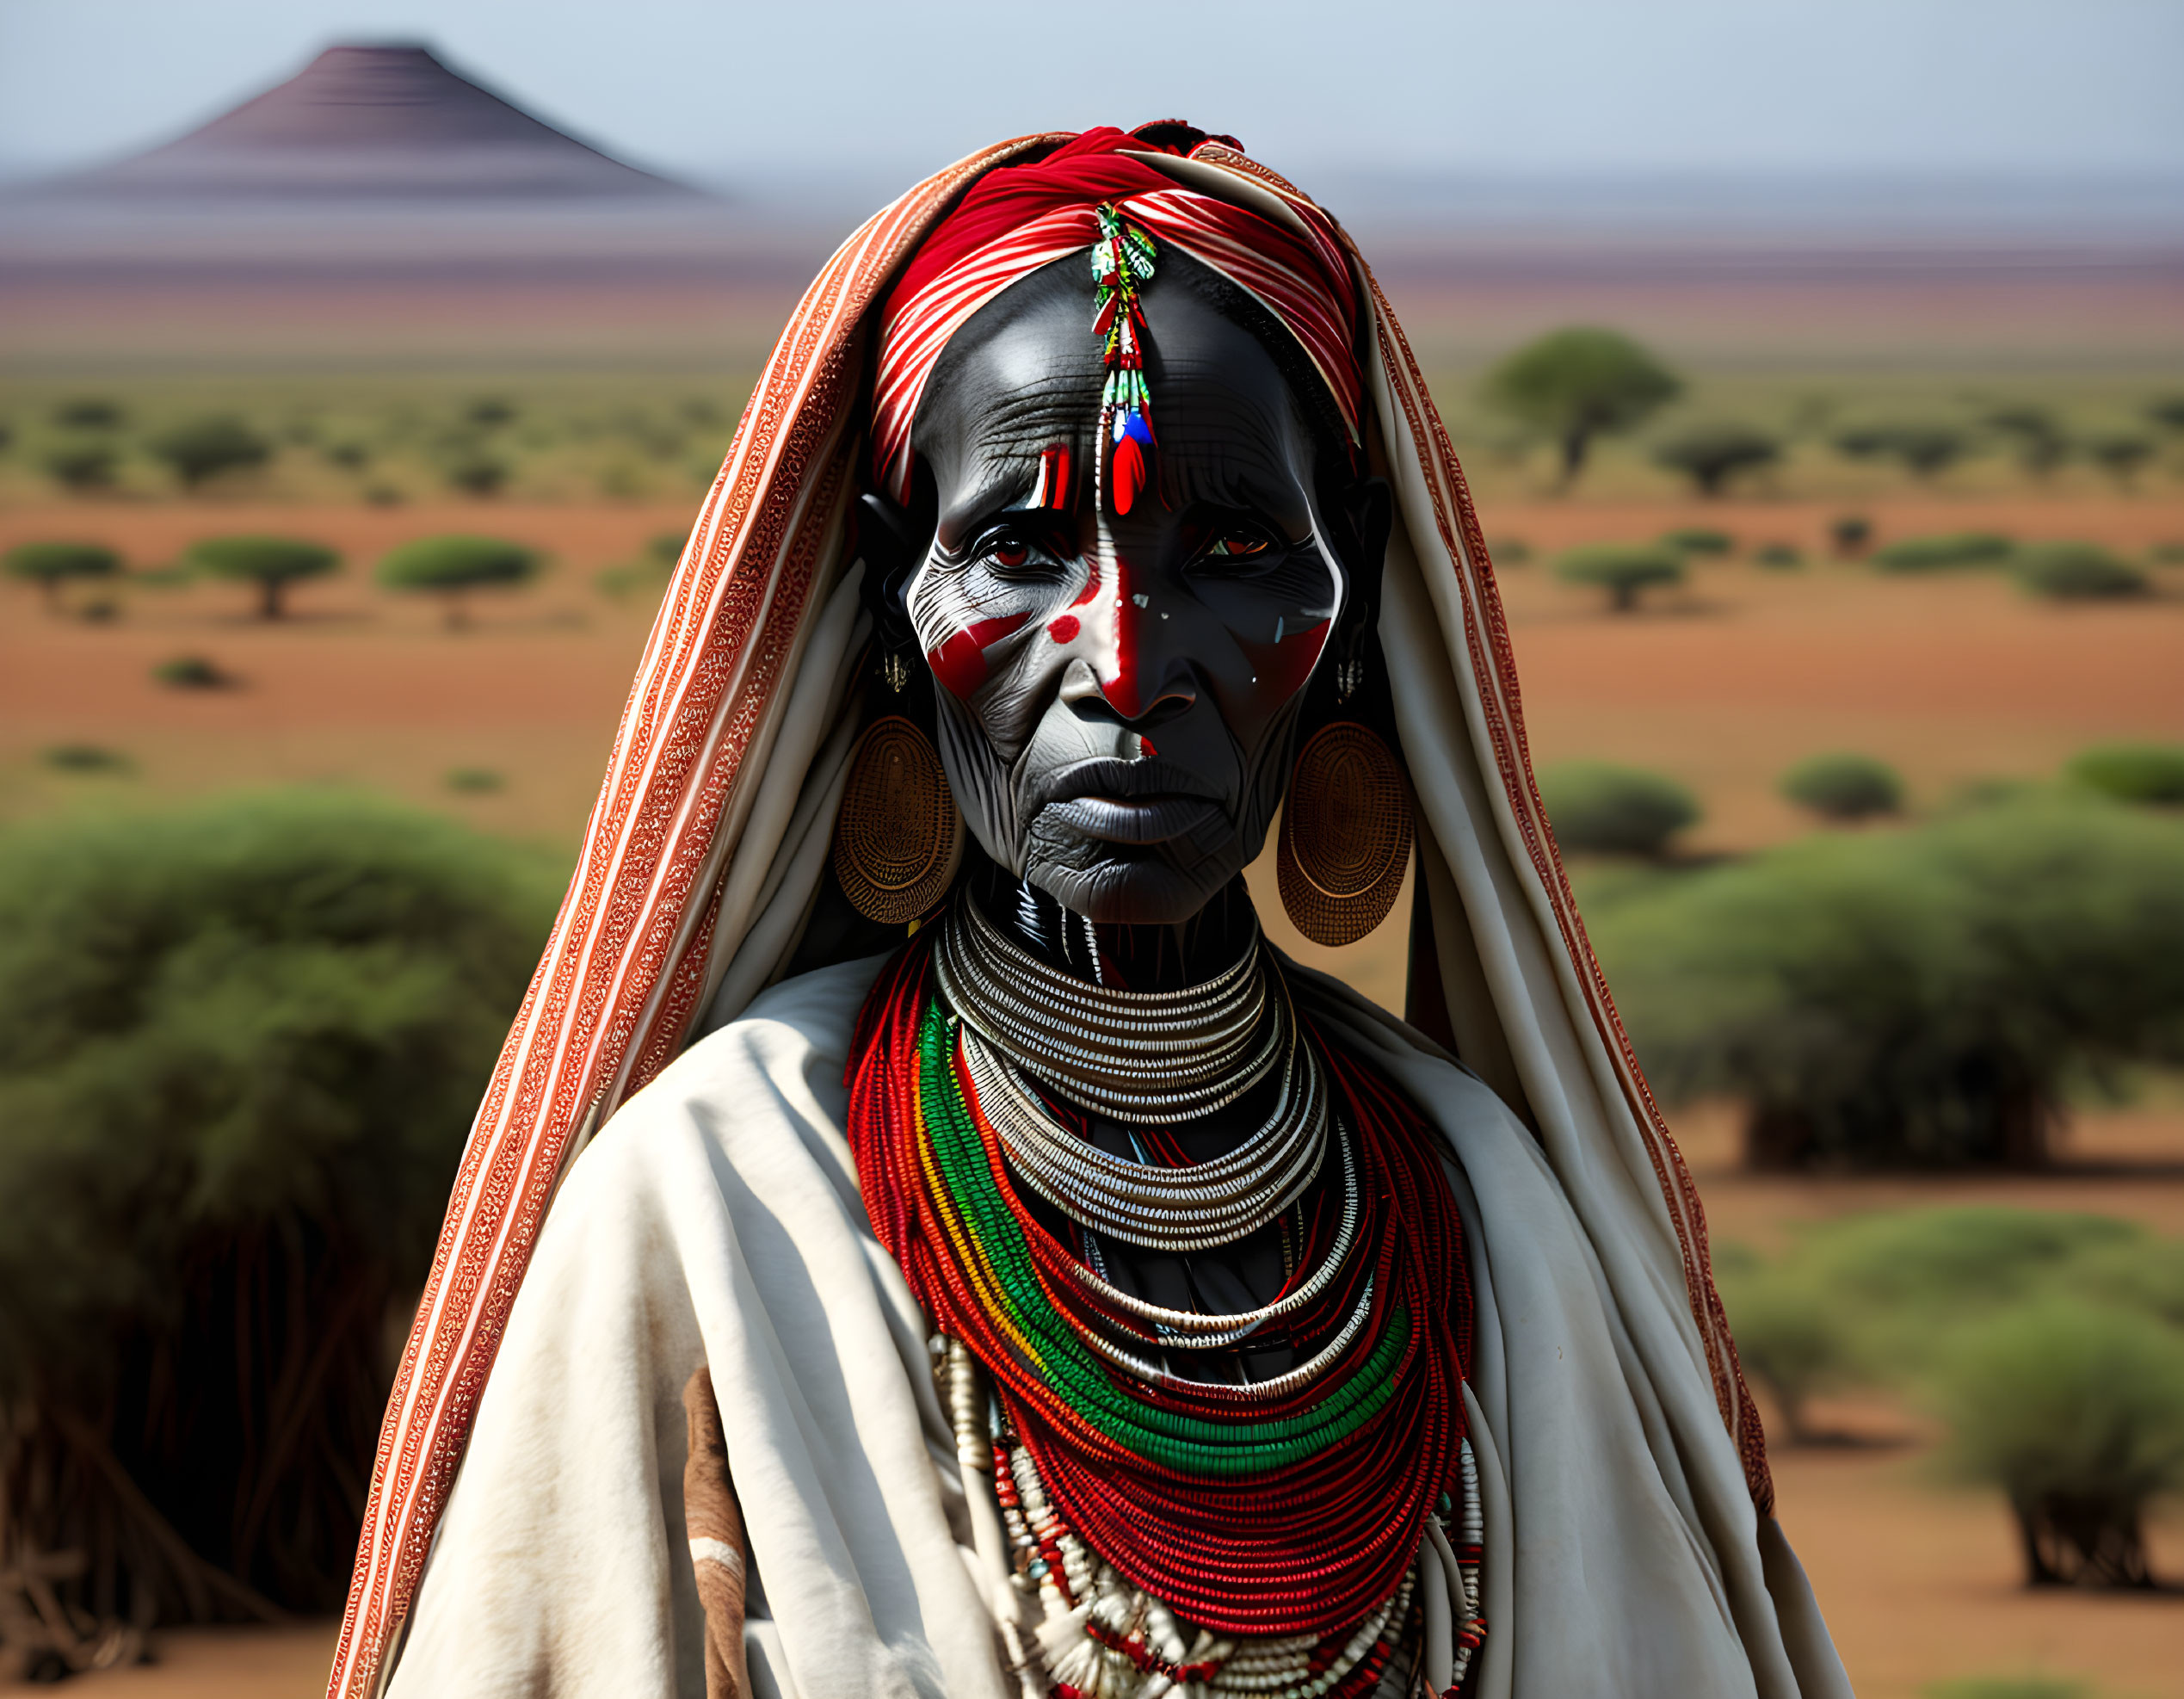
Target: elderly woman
990, 1268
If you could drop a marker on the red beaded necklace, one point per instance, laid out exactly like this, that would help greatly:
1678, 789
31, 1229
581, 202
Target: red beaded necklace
1298, 1514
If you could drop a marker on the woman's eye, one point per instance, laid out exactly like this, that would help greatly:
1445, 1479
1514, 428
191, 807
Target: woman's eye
1008, 552
1236, 545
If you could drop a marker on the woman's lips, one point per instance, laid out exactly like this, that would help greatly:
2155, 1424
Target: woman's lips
1134, 819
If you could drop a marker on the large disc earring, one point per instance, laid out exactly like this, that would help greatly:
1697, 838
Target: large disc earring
1345, 835
898, 839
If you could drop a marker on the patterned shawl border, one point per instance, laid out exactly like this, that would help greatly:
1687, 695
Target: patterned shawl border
709, 668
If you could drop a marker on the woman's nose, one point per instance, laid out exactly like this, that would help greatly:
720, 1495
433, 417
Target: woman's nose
1137, 666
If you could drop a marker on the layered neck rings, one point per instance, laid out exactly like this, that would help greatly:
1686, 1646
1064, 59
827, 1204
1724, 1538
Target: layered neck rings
1293, 1506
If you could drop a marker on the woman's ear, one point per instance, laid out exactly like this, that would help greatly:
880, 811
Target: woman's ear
1368, 509
887, 543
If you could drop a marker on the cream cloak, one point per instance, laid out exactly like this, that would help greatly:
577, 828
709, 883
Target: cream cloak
717, 1220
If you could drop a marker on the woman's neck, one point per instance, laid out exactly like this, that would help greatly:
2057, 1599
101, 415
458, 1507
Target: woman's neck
1129, 958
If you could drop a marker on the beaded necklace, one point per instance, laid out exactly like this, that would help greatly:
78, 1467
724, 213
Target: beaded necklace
1297, 1515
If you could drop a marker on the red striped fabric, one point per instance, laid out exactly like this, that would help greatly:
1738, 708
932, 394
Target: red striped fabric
1299, 277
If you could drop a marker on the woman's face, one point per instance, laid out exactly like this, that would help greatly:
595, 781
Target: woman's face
1116, 692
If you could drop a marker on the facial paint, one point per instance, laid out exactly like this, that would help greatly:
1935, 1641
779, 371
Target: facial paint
961, 661
1284, 665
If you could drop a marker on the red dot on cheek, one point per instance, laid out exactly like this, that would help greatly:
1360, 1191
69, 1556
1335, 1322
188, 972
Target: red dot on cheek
1063, 630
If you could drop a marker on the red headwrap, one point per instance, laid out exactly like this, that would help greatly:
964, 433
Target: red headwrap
1019, 217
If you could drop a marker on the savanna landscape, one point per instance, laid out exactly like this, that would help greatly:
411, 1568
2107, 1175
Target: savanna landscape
1792, 614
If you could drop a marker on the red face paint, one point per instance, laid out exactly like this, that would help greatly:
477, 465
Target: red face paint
960, 662
1283, 667
1119, 677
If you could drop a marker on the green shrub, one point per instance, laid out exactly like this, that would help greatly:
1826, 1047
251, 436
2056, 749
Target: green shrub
477, 474
2120, 453
85, 758
454, 566
83, 466
198, 450
1909, 1276
1710, 455
2168, 553
475, 781
190, 672
1780, 557
1509, 551
1844, 786
1851, 534
1621, 569
2034, 435
2006, 1687
1601, 809
2076, 1414
89, 413
1916, 996
50, 565
1792, 1338
2134, 1273
1699, 540
1577, 384
1926, 449
2065, 572
1952, 548
2035, 438
240, 1047
2142, 773
271, 563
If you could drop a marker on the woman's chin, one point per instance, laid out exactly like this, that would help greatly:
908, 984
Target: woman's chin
1122, 889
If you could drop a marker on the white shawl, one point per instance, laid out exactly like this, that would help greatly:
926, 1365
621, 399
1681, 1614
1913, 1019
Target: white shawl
716, 1221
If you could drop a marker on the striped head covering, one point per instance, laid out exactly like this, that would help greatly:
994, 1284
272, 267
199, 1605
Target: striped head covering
1020, 217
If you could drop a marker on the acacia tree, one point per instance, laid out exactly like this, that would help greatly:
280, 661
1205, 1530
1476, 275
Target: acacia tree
1621, 569
239, 1048
1926, 449
1710, 455
271, 563
452, 567
2076, 1413
1577, 384
2120, 453
1917, 998
200, 449
2038, 440
50, 565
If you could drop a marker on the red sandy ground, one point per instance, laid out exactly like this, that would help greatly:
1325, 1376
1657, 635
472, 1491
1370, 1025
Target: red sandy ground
1725, 683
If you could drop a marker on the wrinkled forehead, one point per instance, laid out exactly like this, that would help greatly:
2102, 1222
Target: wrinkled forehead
1026, 372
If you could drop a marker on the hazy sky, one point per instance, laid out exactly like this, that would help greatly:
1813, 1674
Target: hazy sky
732, 89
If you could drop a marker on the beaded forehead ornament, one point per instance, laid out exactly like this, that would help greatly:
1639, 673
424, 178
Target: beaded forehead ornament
1121, 259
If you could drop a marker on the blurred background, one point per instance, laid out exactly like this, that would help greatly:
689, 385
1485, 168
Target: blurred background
1819, 369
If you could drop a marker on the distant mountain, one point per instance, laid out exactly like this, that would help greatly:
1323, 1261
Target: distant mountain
372, 123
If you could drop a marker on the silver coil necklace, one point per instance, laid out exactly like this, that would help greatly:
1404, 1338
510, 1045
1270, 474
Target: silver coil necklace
1152, 1059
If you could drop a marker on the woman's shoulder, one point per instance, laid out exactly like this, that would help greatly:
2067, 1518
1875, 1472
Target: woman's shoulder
819, 1007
